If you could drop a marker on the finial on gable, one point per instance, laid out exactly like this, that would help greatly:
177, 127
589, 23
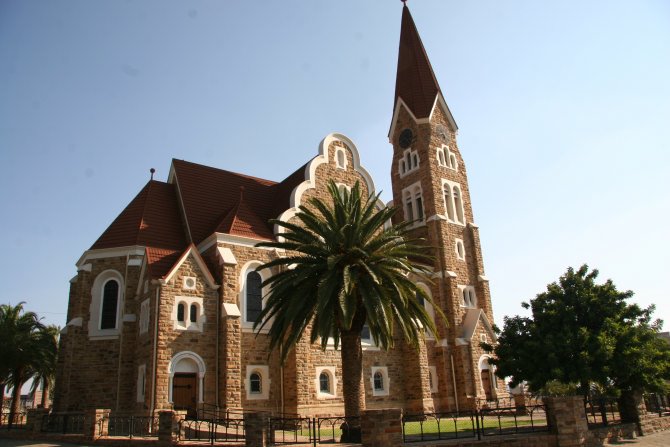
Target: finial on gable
152, 171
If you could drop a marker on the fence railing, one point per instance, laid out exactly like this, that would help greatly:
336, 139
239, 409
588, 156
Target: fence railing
602, 411
474, 424
334, 429
657, 403
291, 430
212, 430
64, 423
433, 426
9, 421
129, 426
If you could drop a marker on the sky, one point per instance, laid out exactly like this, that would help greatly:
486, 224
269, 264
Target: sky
562, 107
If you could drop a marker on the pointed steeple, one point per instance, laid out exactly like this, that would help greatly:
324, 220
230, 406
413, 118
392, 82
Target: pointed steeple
415, 81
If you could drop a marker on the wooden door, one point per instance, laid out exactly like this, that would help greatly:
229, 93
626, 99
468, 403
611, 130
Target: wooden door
185, 392
486, 384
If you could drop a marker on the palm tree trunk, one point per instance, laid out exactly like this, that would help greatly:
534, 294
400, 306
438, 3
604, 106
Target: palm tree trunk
16, 396
45, 393
352, 382
2, 400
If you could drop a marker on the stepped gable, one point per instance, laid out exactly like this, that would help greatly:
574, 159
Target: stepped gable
150, 219
415, 81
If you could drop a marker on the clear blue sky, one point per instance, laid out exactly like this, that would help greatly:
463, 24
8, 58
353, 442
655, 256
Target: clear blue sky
563, 109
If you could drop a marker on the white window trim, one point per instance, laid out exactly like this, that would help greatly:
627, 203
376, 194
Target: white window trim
462, 289
456, 208
458, 241
95, 309
429, 309
144, 316
200, 364
264, 372
449, 157
433, 379
408, 169
141, 382
332, 393
413, 191
187, 324
248, 326
338, 151
385, 378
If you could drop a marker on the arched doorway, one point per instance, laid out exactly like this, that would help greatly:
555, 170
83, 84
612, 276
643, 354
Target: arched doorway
487, 378
187, 371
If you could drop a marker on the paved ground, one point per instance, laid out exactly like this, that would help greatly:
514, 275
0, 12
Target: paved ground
656, 440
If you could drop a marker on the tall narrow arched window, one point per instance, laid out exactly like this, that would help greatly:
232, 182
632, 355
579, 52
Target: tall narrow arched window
110, 303
378, 380
458, 203
324, 382
194, 313
409, 213
254, 298
448, 202
180, 312
341, 160
418, 201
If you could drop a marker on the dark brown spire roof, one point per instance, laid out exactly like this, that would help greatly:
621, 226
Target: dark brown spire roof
415, 81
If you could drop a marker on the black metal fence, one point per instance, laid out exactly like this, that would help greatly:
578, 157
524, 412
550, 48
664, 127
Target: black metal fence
334, 429
129, 426
212, 430
657, 403
601, 411
474, 424
64, 423
9, 421
292, 430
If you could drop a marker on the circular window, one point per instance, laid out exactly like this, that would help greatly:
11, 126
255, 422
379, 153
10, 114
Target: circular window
190, 283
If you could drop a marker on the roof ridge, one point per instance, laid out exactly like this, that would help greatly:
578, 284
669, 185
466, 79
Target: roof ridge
251, 177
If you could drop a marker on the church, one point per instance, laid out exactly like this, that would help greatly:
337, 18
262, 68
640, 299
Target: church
161, 310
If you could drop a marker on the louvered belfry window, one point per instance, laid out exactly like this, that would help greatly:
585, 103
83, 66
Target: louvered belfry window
110, 301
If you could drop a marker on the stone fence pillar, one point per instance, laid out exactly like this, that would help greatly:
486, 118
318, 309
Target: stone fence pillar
35, 418
381, 428
567, 419
95, 423
169, 428
256, 429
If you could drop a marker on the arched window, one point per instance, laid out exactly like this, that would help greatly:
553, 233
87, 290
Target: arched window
341, 159
452, 161
194, 313
378, 381
324, 382
110, 302
458, 202
448, 203
409, 213
255, 383
469, 297
440, 157
254, 298
460, 250
418, 201
180, 312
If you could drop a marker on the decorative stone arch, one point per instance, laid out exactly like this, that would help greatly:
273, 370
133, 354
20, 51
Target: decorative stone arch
242, 281
189, 362
95, 309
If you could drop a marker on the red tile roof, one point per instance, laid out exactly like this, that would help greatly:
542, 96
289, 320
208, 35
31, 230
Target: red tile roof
415, 81
150, 219
160, 261
211, 200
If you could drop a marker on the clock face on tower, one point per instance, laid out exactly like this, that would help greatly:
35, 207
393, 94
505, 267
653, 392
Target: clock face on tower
405, 139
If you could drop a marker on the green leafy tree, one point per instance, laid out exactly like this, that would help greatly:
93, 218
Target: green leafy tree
19, 333
583, 334
344, 267
45, 359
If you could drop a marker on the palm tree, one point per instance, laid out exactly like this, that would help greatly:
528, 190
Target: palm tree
45, 361
19, 332
345, 267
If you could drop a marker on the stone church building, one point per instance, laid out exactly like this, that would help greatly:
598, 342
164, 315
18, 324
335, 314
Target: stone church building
161, 310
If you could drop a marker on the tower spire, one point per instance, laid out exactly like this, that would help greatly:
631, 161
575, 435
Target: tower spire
415, 81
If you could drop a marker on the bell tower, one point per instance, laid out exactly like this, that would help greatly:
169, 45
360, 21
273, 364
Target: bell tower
430, 187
